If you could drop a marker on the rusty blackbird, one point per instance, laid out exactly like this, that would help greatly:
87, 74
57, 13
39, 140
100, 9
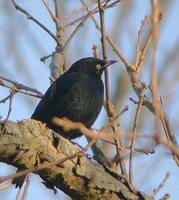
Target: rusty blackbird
77, 95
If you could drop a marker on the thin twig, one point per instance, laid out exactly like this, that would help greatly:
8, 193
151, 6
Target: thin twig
29, 16
133, 100
145, 48
90, 144
143, 52
6, 186
44, 166
18, 194
103, 41
19, 90
42, 59
77, 28
111, 123
80, 10
24, 195
5, 99
95, 51
134, 134
155, 32
57, 17
49, 10
94, 11
145, 151
139, 40
161, 185
117, 51
9, 110
166, 196
83, 19
21, 86
118, 140
69, 125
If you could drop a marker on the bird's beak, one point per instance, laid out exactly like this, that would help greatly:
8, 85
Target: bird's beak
109, 62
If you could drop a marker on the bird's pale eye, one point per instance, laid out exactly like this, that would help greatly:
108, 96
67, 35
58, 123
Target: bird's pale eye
98, 66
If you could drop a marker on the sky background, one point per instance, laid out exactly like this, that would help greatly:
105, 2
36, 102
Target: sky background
23, 43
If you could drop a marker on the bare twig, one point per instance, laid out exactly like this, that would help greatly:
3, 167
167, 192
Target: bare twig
173, 147
95, 51
138, 48
19, 90
9, 110
113, 121
5, 99
143, 52
90, 144
57, 65
155, 20
136, 120
94, 11
4, 187
68, 125
58, 17
77, 28
18, 194
83, 19
117, 51
166, 197
145, 151
46, 57
155, 191
145, 48
35, 20
133, 100
82, 9
49, 10
24, 195
21, 86
103, 41
44, 166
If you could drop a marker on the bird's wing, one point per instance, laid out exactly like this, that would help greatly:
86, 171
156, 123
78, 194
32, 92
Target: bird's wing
55, 96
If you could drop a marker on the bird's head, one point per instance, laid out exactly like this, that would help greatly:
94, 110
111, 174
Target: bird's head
91, 65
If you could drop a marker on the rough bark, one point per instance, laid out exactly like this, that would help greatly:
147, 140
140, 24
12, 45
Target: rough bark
30, 144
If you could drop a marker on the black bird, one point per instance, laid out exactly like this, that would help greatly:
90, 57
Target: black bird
77, 95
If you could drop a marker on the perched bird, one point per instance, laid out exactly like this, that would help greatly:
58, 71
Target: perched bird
76, 95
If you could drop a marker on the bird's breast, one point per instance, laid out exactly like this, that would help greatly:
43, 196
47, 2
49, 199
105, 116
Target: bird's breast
87, 99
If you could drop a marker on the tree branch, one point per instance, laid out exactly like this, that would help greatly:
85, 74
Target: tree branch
30, 144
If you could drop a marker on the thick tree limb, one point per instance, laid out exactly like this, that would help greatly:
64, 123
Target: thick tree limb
30, 144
